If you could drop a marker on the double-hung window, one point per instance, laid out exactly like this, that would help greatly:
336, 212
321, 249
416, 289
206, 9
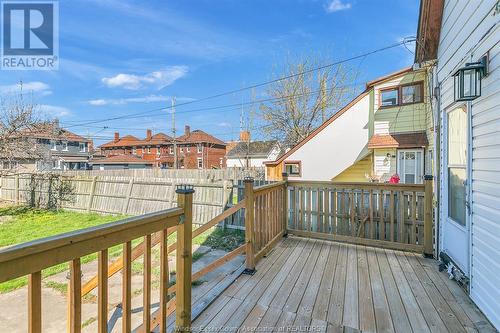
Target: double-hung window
200, 163
389, 97
83, 147
200, 148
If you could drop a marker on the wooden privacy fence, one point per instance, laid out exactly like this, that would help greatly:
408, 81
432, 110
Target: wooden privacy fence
386, 215
122, 195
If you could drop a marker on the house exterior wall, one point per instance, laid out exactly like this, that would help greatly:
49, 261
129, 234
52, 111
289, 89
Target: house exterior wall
356, 172
241, 162
384, 163
468, 31
120, 166
338, 146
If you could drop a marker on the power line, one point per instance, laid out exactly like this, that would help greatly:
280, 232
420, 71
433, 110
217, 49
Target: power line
257, 85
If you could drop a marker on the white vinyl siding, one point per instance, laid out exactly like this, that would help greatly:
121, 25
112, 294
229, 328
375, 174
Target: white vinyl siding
469, 30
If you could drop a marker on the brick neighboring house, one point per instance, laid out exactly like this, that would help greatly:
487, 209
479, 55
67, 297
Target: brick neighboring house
118, 162
56, 149
195, 149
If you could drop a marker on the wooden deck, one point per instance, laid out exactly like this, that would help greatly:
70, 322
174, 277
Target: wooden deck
336, 287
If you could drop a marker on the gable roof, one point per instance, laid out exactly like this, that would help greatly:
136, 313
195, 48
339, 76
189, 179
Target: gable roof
319, 129
252, 149
388, 77
49, 130
199, 136
130, 140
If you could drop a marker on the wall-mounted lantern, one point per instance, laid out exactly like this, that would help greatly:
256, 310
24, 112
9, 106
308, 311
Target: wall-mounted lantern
467, 80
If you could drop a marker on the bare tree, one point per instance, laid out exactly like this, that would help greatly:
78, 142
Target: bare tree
18, 117
304, 99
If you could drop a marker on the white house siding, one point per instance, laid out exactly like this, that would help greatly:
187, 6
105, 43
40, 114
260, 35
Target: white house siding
241, 162
470, 29
338, 146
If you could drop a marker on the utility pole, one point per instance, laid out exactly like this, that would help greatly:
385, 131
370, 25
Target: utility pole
173, 133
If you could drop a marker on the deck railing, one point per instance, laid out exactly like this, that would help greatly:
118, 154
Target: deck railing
395, 216
384, 215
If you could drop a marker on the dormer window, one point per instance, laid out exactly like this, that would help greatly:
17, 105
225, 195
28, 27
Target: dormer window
65, 145
411, 93
402, 95
53, 145
82, 147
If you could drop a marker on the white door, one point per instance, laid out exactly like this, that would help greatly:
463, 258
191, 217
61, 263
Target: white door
455, 232
410, 166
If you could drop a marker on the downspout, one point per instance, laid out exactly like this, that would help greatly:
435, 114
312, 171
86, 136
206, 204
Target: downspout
436, 114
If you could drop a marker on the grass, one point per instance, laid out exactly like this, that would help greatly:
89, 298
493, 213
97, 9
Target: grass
62, 288
26, 224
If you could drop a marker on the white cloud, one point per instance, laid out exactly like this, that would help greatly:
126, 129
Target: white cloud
159, 79
28, 87
52, 111
337, 5
144, 99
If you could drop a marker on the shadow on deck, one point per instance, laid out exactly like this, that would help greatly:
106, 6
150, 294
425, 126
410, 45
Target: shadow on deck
324, 286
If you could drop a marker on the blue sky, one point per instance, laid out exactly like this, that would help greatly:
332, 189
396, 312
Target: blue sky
120, 57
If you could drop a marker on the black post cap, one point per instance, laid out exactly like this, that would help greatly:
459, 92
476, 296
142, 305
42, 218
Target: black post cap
248, 179
184, 189
428, 177
284, 174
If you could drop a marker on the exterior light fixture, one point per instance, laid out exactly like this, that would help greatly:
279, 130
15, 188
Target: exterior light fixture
467, 80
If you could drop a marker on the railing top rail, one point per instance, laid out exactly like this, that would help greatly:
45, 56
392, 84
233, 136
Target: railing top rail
360, 185
258, 189
112, 232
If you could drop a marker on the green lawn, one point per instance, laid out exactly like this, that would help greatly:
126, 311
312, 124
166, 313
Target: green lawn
21, 224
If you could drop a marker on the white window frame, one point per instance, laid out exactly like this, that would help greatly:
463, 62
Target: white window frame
53, 145
400, 168
148, 150
198, 161
82, 147
158, 151
65, 145
181, 149
56, 164
134, 150
199, 148
187, 149
171, 150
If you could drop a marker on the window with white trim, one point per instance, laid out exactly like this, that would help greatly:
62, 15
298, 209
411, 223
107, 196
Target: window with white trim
65, 145
134, 150
158, 151
53, 145
410, 166
199, 148
171, 150
82, 147
292, 169
200, 163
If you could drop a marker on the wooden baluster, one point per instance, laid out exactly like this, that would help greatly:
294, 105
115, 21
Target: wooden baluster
391, 215
309, 209
286, 213
293, 204
184, 260
428, 247
401, 219
342, 214
326, 210
381, 215
319, 214
127, 287
35, 302
333, 200
370, 212
413, 217
300, 211
102, 291
164, 280
146, 285
75, 297
352, 212
361, 231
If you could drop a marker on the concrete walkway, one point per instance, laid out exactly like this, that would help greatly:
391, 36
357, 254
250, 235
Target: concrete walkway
14, 308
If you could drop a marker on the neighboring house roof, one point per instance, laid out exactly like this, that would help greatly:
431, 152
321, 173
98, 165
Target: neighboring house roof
126, 141
120, 159
402, 140
428, 30
199, 136
319, 129
252, 149
387, 77
54, 132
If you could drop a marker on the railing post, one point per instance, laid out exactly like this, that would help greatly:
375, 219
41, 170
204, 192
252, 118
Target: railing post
428, 248
284, 175
16, 189
249, 226
184, 259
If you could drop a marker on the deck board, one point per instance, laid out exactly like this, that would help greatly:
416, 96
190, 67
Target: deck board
337, 287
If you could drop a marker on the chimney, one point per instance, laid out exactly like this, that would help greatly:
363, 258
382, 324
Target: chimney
148, 134
187, 130
117, 136
245, 136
